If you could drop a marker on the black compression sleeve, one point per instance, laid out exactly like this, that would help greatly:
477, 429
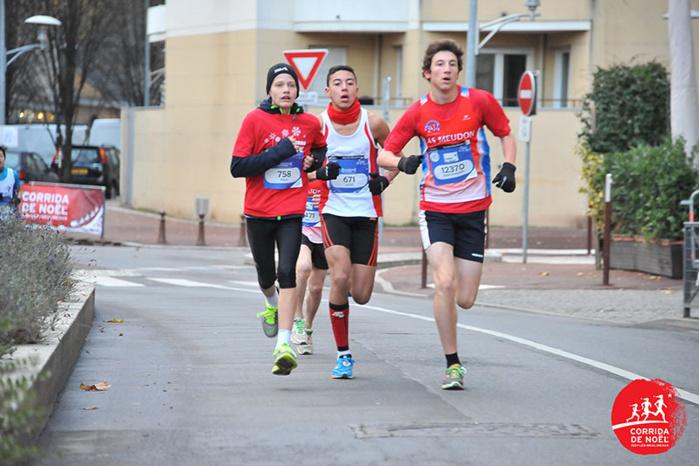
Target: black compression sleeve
243, 167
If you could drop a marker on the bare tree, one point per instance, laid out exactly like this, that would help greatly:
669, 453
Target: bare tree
99, 41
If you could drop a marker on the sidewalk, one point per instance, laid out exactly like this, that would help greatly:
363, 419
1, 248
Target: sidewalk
559, 276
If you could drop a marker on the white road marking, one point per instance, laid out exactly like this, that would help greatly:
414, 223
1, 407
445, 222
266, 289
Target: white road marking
115, 282
238, 282
188, 283
686, 395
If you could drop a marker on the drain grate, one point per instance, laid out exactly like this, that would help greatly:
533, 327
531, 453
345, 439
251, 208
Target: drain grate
442, 429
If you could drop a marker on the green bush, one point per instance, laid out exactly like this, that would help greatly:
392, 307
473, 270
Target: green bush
648, 184
18, 417
628, 105
35, 266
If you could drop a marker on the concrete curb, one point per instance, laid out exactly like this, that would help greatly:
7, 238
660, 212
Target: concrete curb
56, 356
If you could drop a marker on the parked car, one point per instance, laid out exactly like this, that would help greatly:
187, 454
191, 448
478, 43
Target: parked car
30, 166
94, 165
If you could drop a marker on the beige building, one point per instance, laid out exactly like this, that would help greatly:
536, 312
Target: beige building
218, 52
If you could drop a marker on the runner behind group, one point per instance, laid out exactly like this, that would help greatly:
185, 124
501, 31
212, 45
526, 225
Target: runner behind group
311, 269
276, 145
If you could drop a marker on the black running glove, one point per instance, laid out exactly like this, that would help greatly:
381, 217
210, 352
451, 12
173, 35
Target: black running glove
377, 184
409, 164
505, 179
329, 171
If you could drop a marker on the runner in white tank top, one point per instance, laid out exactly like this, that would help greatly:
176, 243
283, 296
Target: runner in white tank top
348, 195
350, 204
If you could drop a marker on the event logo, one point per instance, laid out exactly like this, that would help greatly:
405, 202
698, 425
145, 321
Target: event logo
647, 418
431, 126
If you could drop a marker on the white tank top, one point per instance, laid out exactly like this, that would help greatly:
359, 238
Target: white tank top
349, 195
7, 186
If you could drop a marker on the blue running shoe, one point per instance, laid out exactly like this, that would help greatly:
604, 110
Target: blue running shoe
343, 369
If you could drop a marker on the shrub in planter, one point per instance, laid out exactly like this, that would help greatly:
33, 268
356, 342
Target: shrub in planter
35, 267
649, 183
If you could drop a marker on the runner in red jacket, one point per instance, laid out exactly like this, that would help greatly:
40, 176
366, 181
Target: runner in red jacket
276, 145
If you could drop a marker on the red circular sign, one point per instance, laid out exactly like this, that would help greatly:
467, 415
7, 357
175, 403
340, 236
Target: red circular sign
526, 92
647, 417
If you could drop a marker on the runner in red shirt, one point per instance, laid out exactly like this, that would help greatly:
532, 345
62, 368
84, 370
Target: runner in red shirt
276, 145
455, 188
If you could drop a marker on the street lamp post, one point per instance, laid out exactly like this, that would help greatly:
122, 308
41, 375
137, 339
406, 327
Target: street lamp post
474, 29
42, 21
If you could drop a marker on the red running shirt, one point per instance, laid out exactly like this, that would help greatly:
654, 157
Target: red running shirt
260, 131
456, 164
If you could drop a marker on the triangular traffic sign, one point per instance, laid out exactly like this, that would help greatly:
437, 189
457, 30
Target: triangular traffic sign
306, 63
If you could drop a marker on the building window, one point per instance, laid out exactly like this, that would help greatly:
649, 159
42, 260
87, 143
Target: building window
336, 56
498, 71
561, 78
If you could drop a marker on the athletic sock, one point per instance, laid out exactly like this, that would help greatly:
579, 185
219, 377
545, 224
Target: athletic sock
274, 300
344, 354
283, 336
452, 359
339, 317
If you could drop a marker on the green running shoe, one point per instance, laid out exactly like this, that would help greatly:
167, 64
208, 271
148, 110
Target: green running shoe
454, 378
270, 324
286, 360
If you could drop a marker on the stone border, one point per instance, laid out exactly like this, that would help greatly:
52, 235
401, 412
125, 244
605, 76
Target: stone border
55, 357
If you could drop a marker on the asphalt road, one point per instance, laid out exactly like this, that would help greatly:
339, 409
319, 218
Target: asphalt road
190, 381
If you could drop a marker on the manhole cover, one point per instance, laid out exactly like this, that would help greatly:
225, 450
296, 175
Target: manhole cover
444, 429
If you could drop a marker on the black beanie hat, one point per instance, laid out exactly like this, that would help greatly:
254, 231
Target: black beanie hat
281, 68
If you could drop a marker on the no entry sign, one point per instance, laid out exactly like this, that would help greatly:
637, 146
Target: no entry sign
526, 93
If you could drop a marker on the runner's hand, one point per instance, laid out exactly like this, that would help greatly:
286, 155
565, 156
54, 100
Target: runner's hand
378, 184
505, 179
329, 171
409, 164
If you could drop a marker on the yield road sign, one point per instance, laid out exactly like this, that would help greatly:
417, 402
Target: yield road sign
306, 63
526, 93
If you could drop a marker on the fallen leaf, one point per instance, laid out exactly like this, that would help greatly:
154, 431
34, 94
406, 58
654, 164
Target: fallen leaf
580, 274
116, 321
96, 387
121, 334
666, 291
90, 408
544, 274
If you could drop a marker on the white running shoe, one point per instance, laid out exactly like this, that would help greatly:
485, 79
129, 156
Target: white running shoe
306, 346
298, 334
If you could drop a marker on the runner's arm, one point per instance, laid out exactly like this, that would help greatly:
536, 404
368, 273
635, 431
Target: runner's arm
253, 165
380, 131
509, 148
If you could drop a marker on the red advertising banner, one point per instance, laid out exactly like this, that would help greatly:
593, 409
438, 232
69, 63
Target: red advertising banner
65, 207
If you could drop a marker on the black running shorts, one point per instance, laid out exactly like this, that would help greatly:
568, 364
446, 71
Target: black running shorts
317, 253
358, 234
465, 232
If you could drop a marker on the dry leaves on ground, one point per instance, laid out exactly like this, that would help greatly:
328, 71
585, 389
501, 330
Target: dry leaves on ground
101, 386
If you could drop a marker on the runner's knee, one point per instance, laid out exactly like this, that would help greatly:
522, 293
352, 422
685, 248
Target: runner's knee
303, 270
466, 302
286, 275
